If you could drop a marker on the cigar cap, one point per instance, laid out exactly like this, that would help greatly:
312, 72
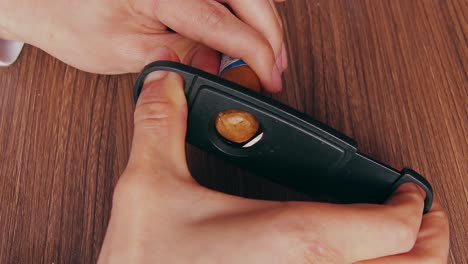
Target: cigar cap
236, 126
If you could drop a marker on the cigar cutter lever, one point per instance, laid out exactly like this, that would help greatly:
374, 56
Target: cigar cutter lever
293, 149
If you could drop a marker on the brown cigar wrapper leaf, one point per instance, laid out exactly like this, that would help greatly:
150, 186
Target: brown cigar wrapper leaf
244, 76
236, 126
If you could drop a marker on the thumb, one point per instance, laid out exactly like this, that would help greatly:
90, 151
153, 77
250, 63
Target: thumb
160, 123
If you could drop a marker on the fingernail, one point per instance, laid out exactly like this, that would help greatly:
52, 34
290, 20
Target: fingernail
411, 187
276, 79
160, 53
284, 58
156, 76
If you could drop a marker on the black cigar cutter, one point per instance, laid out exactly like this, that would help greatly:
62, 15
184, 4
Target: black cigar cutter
293, 149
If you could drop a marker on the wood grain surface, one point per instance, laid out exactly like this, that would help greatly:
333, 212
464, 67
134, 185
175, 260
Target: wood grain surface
390, 73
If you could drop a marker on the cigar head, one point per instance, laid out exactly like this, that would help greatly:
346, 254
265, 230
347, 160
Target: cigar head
237, 126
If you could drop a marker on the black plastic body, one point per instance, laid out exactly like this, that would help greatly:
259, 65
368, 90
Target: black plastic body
295, 151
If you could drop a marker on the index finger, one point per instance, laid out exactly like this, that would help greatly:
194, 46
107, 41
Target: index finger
262, 16
212, 24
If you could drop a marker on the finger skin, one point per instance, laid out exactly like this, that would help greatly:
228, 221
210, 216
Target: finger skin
432, 245
215, 26
160, 123
261, 15
359, 232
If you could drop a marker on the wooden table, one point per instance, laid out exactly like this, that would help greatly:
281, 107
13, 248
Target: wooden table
390, 73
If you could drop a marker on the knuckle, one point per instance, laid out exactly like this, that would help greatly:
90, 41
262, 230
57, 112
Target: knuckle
264, 53
313, 247
154, 113
214, 15
318, 252
406, 231
413, 220
418, 201
265, 47
155, 110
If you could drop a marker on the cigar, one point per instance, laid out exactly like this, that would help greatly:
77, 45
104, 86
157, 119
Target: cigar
235, 125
